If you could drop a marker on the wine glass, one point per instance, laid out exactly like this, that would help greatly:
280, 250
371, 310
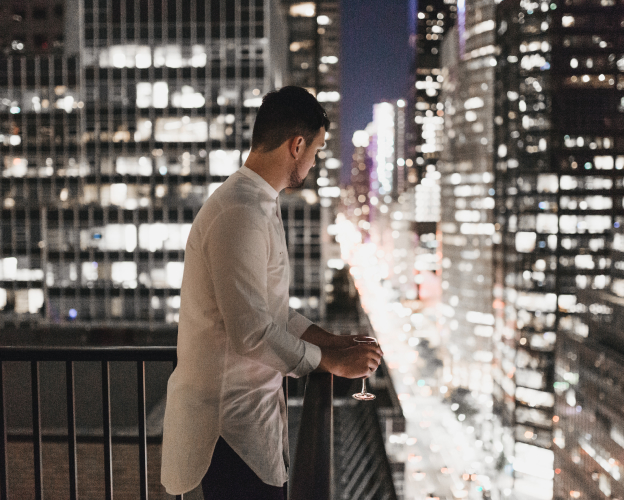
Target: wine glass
364, 395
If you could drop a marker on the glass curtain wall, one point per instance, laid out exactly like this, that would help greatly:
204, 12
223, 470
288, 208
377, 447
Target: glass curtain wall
110, 146
558, 198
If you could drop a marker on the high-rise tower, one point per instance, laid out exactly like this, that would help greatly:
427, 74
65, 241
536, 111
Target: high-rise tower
558, 178
467, 221
114, 134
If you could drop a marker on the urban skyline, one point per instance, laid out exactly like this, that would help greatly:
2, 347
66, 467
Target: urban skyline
484, 205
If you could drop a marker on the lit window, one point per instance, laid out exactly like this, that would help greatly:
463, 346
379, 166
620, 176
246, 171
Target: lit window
110, 237
198, 59
185, 129
584, 262
89, 272
174, 272
124, 274
329, 192
133, 165
301, 44
303, 9
143, 57
158, 236
144, 95
143, 130
187, 98
547, 183
35, 300
323, 20
15, 167
474, 103
331, 96
160, 95
567, 21
332, 163
156, 95
8, 268
534, 61
125, 56
253, 102
170, 56
604, 162
525, 242
224, 163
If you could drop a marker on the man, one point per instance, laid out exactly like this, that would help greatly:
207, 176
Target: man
225, 421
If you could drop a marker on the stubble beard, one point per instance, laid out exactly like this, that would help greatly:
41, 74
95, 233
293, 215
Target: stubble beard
295, 181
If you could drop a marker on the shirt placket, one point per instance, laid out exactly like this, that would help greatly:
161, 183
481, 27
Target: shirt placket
278, 212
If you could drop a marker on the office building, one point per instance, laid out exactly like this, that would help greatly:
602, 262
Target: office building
425, 110
467, 71
114, 133
314, 63
589, 412
558, 166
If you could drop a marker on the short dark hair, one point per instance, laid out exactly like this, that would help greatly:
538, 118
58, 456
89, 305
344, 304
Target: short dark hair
286, 113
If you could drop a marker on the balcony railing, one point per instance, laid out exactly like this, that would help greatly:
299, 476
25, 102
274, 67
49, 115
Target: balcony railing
314, 457
363, 471
70, 355
352, 466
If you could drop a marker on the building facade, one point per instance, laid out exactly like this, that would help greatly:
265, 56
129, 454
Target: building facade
558, 165
467, 217
113, 135
314, 63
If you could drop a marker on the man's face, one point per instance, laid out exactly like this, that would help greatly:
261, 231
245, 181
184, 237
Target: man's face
307, 160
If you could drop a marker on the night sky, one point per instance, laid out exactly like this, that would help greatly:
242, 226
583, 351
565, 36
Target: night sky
375, 61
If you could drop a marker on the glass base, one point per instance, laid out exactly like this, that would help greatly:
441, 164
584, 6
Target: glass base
364, 396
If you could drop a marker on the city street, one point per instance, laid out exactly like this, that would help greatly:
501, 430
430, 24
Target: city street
442, 456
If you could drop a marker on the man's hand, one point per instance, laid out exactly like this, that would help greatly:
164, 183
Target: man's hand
351, 362
322, 338
345, 341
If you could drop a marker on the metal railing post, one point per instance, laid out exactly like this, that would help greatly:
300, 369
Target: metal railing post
71, 430
106, 422
36, 425
142, 430
4, 483
104, 355
314, 460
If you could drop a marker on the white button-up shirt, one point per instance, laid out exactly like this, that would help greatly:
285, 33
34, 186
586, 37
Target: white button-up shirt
237, 338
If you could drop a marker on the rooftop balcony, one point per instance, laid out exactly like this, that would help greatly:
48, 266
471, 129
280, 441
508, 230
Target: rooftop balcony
84, 421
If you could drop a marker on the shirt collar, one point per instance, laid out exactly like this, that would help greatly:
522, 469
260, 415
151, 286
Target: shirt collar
260, 182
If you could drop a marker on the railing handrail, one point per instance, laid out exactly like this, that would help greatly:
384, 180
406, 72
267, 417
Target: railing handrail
312, 477
88, 353
104, 354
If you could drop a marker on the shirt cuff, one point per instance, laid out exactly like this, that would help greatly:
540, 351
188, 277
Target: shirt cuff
310, 361
297, 323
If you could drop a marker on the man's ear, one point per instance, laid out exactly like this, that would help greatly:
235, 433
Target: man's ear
297, 145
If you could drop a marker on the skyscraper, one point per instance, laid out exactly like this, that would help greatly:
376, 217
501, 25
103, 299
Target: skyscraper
434, 19
313, 63
558, 149
467, 226
114, 133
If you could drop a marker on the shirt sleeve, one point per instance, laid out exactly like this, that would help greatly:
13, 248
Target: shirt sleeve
297, 323
237, 253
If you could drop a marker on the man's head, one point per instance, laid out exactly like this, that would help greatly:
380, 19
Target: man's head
285, 114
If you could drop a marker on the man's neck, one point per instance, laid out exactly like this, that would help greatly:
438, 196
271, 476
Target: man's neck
271, 167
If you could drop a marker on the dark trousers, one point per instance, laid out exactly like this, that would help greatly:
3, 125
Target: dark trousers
230, 478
